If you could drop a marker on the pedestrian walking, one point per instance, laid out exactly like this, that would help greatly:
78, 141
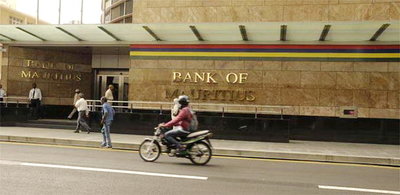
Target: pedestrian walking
109, 94
35, 97
3, 94
83, 114
106, 120
76, 97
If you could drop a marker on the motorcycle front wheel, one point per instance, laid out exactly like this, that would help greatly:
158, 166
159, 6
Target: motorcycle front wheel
200, 153
149, 150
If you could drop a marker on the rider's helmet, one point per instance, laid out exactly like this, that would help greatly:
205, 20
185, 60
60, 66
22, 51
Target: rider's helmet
183, 100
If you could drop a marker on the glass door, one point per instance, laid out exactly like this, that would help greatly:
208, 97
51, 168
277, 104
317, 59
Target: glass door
120, 83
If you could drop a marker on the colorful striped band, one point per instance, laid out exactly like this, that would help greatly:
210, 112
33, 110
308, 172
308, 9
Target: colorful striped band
268, 52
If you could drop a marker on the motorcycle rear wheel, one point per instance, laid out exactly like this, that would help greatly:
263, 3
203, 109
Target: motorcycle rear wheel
200, 153
149, 150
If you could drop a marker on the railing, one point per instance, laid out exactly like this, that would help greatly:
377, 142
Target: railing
130, 106
18, 101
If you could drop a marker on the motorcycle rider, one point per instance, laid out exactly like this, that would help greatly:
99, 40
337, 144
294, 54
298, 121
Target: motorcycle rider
181, 123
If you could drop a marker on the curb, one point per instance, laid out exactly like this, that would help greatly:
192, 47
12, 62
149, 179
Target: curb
220, 152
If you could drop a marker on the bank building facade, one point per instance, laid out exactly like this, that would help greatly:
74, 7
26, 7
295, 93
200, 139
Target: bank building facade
254, 69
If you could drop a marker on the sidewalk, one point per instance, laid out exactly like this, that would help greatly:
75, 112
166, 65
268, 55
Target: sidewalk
296, 150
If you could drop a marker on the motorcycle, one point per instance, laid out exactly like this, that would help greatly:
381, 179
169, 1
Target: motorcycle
198, 147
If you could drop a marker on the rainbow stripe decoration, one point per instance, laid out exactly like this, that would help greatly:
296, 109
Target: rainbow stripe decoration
382, 53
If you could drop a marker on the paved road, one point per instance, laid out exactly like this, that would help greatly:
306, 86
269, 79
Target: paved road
45, 169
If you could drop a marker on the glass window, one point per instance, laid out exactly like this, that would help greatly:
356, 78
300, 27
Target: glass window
126, 89
115, 12
128, 7
121, 10
14, 20
99, 87
114, 1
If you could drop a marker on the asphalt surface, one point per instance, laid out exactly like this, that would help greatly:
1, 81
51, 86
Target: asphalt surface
46, 169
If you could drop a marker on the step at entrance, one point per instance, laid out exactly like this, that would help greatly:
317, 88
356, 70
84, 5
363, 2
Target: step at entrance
49, 123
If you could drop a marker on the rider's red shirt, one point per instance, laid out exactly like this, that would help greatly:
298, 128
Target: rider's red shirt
183, 119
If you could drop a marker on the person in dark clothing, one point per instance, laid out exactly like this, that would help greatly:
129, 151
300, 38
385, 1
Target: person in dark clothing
35, 96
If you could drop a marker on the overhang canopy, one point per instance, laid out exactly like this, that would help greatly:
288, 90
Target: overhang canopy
366, 32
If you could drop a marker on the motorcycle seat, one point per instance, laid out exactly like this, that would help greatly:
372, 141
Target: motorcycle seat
198, 133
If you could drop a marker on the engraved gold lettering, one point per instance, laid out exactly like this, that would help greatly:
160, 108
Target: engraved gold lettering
243, 77
213, 95
169, 94
195, 96
47, 65
210, 78
217, 95
188, 77
68, 77
198, 76
206, 94
26, 74
46, 75
69, 67
28, 63
35, 75
250, 96
78, 77
232, 78
177, 77
241, 97
46, 70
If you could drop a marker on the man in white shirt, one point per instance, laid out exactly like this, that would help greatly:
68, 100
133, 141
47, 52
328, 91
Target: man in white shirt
35, 96
2, 95
83, 113
109, 93
76, 98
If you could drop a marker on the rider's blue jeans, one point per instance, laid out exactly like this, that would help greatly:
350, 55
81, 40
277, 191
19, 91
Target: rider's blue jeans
106, 134
172, 134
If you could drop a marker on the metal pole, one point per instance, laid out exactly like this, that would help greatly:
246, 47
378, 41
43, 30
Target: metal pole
81, 11
104, 11
131, 107
37, 12
59, 12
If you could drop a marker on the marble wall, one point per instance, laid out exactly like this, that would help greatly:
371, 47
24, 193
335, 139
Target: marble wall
174, 11
57, 73
310, 88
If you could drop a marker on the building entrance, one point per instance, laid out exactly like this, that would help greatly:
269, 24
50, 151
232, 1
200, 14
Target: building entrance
118, 79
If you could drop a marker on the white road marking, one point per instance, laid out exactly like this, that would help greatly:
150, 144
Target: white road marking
358, 189
103, 170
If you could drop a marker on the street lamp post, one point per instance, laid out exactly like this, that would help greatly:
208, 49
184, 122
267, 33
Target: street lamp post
37, 12
81, 11
59, 12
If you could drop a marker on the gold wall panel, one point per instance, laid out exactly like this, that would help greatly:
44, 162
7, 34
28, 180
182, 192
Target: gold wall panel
56, 73
310, 88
